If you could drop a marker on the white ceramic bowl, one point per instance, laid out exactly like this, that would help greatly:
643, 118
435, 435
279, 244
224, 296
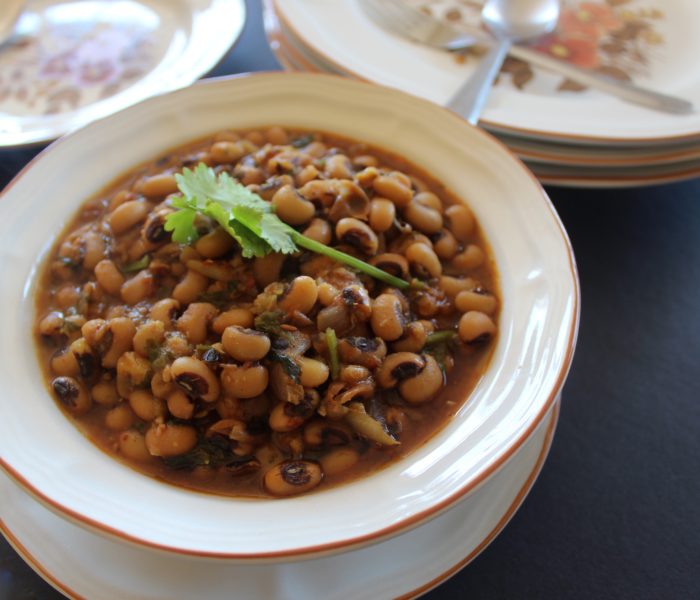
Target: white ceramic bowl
43, 451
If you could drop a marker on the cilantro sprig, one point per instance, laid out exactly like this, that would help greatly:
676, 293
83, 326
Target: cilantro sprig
249, 219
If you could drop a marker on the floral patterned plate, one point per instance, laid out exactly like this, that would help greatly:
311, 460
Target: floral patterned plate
647, 41
73, 61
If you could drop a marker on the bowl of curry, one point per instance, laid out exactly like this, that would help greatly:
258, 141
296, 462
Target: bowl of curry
275, 316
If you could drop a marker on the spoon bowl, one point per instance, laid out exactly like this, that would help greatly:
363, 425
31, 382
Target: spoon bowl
509, 21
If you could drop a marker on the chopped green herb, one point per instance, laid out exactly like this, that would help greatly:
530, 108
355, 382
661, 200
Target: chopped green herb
332, 342
288, 363
68, 327
303, 141
137, 265
249, 219
214, 451
270, 321
158, 355
220, 298
438, 337
440, 352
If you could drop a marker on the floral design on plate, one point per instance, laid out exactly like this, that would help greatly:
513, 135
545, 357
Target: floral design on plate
63, 65
614, 37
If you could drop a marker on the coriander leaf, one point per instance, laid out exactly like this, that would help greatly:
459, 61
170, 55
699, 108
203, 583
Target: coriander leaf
277, 234
137, 265
251, 245
288, 363
181, 224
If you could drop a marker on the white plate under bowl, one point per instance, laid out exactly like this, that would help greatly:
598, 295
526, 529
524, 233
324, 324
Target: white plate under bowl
81, 564
538, 323
539, 110
75, 61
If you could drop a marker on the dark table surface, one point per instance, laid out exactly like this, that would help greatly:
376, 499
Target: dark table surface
615, 512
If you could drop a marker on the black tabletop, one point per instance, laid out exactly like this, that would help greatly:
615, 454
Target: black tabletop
615, 512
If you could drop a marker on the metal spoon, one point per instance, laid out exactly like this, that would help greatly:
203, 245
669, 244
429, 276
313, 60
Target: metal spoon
509, 21
9, 15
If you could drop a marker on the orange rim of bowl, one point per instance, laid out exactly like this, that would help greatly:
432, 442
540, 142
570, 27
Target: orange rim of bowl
400, 526
513, 129
56, 583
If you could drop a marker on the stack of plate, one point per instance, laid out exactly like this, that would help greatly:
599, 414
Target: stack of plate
566, 135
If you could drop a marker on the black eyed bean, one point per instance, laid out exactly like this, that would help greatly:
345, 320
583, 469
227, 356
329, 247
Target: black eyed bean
214, 244
190, 287
194, 322
138, 288
266, 270
387, 320
475, 327
429, 200
460, 221
393, 189
470, 258
168, 439
105, 393
165, 311
245, 344
72, 395
63, 362
398, 367
241, 317
244, 381
423, 260
382, 213
292, 477
180, 405
120, 417
277, 135
283, 418
127, 215
158, 186
319, 230
476, 299
314, 373
109, 276
423, 218
148, 336
292, 207
193, 376
132, 444
300, 296
227, 151
445, 245
454, 285
326, 433
146, 406
339, 460
423, 386
355, 233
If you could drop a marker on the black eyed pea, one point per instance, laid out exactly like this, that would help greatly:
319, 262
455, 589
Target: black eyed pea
72, 394
227, 136
266, 269
52, 324
149, 335
292, 477
394, 189
327, 433
292, 207
138, 288
308, 173
382, 213
146, 406
214, 244
245, 344
314, 373
93, 249
195, 378
133, 371
169, 439
398, 367
88, 362
355, 233
284, 418
319, 230
63, 362
241, 317
105, 393
158, 186
413, 338
353, 374
387, 319
132, 444
301, 295
475, 327
190, 287
126, 215
194, 322
423, 386
67, 296
245, 381
160, 387
120, 417
122, 332
423, 260
454, 285
476, 299
277, 135
470, 258
227, 151
339, 460
327, 293
460, 221
338, 166
109, 277
180, 405
423, 218
445, 244
429, 200
165, 311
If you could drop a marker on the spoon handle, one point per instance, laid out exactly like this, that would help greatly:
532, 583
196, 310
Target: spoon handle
469, 100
